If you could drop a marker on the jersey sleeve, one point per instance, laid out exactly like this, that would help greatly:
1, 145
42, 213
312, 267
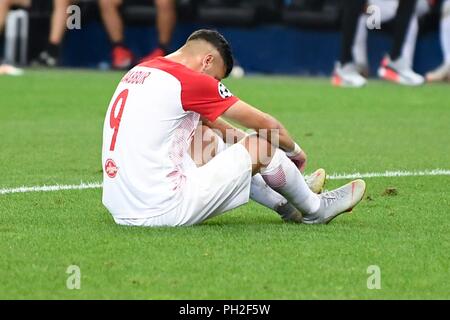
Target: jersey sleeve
206, 96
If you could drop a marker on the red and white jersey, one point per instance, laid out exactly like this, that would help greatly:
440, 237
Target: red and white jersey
147, 131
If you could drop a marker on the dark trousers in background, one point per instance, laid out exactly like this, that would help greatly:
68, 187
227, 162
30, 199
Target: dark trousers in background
352, 9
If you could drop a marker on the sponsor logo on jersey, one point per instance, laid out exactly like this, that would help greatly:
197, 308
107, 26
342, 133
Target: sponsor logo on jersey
111, 168
223, 91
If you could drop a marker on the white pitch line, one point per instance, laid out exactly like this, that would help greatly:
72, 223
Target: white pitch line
389, 174
81, 186
334, 176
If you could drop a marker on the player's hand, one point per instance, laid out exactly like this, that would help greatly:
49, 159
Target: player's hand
300, 161
298, 157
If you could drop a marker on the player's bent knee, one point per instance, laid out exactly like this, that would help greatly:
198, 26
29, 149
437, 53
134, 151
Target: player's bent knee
261, 151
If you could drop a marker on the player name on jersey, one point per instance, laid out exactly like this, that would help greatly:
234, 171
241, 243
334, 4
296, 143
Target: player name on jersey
135, 77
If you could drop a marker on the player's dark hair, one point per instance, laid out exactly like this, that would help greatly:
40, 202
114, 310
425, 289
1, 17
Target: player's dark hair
219, 42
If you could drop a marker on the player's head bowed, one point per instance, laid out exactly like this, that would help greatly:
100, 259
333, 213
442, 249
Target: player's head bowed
213, 51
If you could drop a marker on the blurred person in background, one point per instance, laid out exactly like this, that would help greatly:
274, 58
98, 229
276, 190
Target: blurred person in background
5, 7
49, 57
442, 73
7, 69
393, 67
122, 57
388, 9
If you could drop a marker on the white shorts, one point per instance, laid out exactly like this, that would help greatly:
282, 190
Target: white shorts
219, 186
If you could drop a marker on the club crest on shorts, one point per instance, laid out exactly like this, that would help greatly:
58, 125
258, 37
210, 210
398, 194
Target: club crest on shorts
111, 168
223, 91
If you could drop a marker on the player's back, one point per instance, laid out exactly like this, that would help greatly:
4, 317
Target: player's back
148, 128
145, 138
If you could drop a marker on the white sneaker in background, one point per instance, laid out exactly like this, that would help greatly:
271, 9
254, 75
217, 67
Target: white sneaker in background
398, 71
9, 70
441, 73
347, 76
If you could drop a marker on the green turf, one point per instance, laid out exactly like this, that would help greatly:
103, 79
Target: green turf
51, 125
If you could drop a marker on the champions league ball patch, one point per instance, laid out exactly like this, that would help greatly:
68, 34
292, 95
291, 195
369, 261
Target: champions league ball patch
223, 91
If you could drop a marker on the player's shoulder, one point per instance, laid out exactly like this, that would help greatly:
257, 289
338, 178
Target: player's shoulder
185, 75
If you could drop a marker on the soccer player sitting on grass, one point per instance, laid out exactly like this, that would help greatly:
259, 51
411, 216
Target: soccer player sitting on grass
168, 113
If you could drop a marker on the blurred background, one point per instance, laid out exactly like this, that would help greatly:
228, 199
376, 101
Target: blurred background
298, 37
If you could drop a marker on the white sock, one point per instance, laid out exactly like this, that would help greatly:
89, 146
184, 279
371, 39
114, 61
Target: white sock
284, 177
359, 49
409, 45
445, 31
265, 195
259, 190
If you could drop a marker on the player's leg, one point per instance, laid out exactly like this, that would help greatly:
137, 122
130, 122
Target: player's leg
166, 18
281, 174
388, 11
359, 49
5, 6
409, 46
4, 9
351, 12
403, 16
206, 144
109, 11
122, 57
261, 193
224, 183
395, 67
345, 73
49, 57
442, 73
445, 31
58, 21
284, 177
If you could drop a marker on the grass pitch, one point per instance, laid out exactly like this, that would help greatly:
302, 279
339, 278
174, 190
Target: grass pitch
51, 129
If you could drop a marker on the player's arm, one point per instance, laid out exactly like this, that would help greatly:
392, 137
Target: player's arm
247, 116
267, 127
